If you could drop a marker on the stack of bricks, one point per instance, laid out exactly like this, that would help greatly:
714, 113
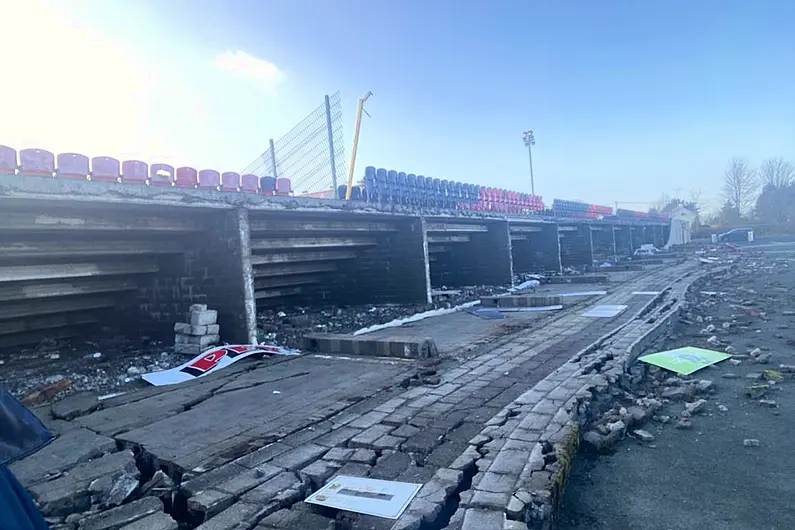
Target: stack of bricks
199, 333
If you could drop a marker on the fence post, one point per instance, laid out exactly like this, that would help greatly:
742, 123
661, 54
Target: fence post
273, 158
331, 146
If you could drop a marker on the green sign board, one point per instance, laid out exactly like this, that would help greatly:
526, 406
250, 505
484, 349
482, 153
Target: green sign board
685, 360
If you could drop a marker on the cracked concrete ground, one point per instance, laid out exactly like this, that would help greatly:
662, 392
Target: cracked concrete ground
251, 442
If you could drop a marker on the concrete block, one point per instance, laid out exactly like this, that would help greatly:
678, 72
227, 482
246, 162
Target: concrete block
317, 473
208, 503
211, 478
203, 341
197, 307
263, 455
520, 300
239, 515
188, 349
123, 515
184, 328
274, 489
203, 318
249, 479
482, 519
368, 437
362, 345
299, 457
156, 521
304, 520
75, 405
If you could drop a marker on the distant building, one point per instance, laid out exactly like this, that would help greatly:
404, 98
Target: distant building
682, 222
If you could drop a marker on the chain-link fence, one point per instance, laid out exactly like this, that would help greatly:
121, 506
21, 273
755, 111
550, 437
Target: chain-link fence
311, 155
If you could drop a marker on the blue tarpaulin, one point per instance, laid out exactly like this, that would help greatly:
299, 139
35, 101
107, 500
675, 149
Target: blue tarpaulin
21, 434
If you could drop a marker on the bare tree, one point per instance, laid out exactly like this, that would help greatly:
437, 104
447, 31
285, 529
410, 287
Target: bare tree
740, 186
776, 172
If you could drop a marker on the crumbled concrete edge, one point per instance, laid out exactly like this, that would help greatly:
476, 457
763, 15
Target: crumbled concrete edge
520, 462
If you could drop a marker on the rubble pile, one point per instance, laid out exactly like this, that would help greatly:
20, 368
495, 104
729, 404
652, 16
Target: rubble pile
200, 332
287, 328
726, 313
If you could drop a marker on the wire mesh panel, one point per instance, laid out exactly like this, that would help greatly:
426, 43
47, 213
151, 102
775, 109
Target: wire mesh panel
311, 155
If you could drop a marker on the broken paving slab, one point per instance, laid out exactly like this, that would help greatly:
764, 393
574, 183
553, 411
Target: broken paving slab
361, 345
71, 492
75, 405
122, 516
156, 521
69, 449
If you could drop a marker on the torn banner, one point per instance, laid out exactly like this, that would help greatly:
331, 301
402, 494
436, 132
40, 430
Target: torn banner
211, 361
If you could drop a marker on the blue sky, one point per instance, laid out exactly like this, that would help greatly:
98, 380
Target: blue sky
629, 100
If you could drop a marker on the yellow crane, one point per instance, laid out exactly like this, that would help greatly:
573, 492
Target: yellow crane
356, 143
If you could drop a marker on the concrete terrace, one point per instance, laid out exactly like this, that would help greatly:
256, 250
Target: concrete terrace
77, 255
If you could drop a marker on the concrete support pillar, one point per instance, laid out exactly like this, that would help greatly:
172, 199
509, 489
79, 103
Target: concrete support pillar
637, 236
576, 247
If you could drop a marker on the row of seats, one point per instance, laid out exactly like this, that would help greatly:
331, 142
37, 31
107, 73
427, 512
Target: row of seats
389, 186
631, 214
41, 163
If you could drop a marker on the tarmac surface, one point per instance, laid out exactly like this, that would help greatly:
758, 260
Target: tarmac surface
706, 477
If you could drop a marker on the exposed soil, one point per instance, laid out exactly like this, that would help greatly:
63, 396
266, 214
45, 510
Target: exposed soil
713, 475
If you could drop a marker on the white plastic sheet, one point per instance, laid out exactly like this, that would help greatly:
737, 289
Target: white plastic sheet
604, 311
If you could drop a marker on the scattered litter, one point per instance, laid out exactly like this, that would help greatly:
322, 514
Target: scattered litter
584, 293
416, 317
111, 395
751, 442
685, 360
646, 293
604, 311
529, 309
277, 391
214, 359
529, 284
381, 498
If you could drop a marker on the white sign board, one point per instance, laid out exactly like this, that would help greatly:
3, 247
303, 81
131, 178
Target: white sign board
751, 236
381, 498
604, 311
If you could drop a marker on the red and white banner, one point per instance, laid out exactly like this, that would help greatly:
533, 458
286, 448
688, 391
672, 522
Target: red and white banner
211, 361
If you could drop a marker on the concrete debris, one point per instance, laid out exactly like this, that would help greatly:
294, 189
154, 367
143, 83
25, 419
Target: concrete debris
199, 333
696, 406
643, 436
768, 403
723, 408
751, 442
684, 423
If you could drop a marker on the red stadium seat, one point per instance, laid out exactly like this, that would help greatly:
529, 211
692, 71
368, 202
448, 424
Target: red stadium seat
161, 175
187, 177
36, 162
284, 186
230, 181
104, 169
134, 172
249, 183
209, 179
72, 166
8, 160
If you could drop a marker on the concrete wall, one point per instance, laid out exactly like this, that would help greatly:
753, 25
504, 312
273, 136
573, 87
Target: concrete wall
535, 247
603, 243
468, 253
623, 236
576, 248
